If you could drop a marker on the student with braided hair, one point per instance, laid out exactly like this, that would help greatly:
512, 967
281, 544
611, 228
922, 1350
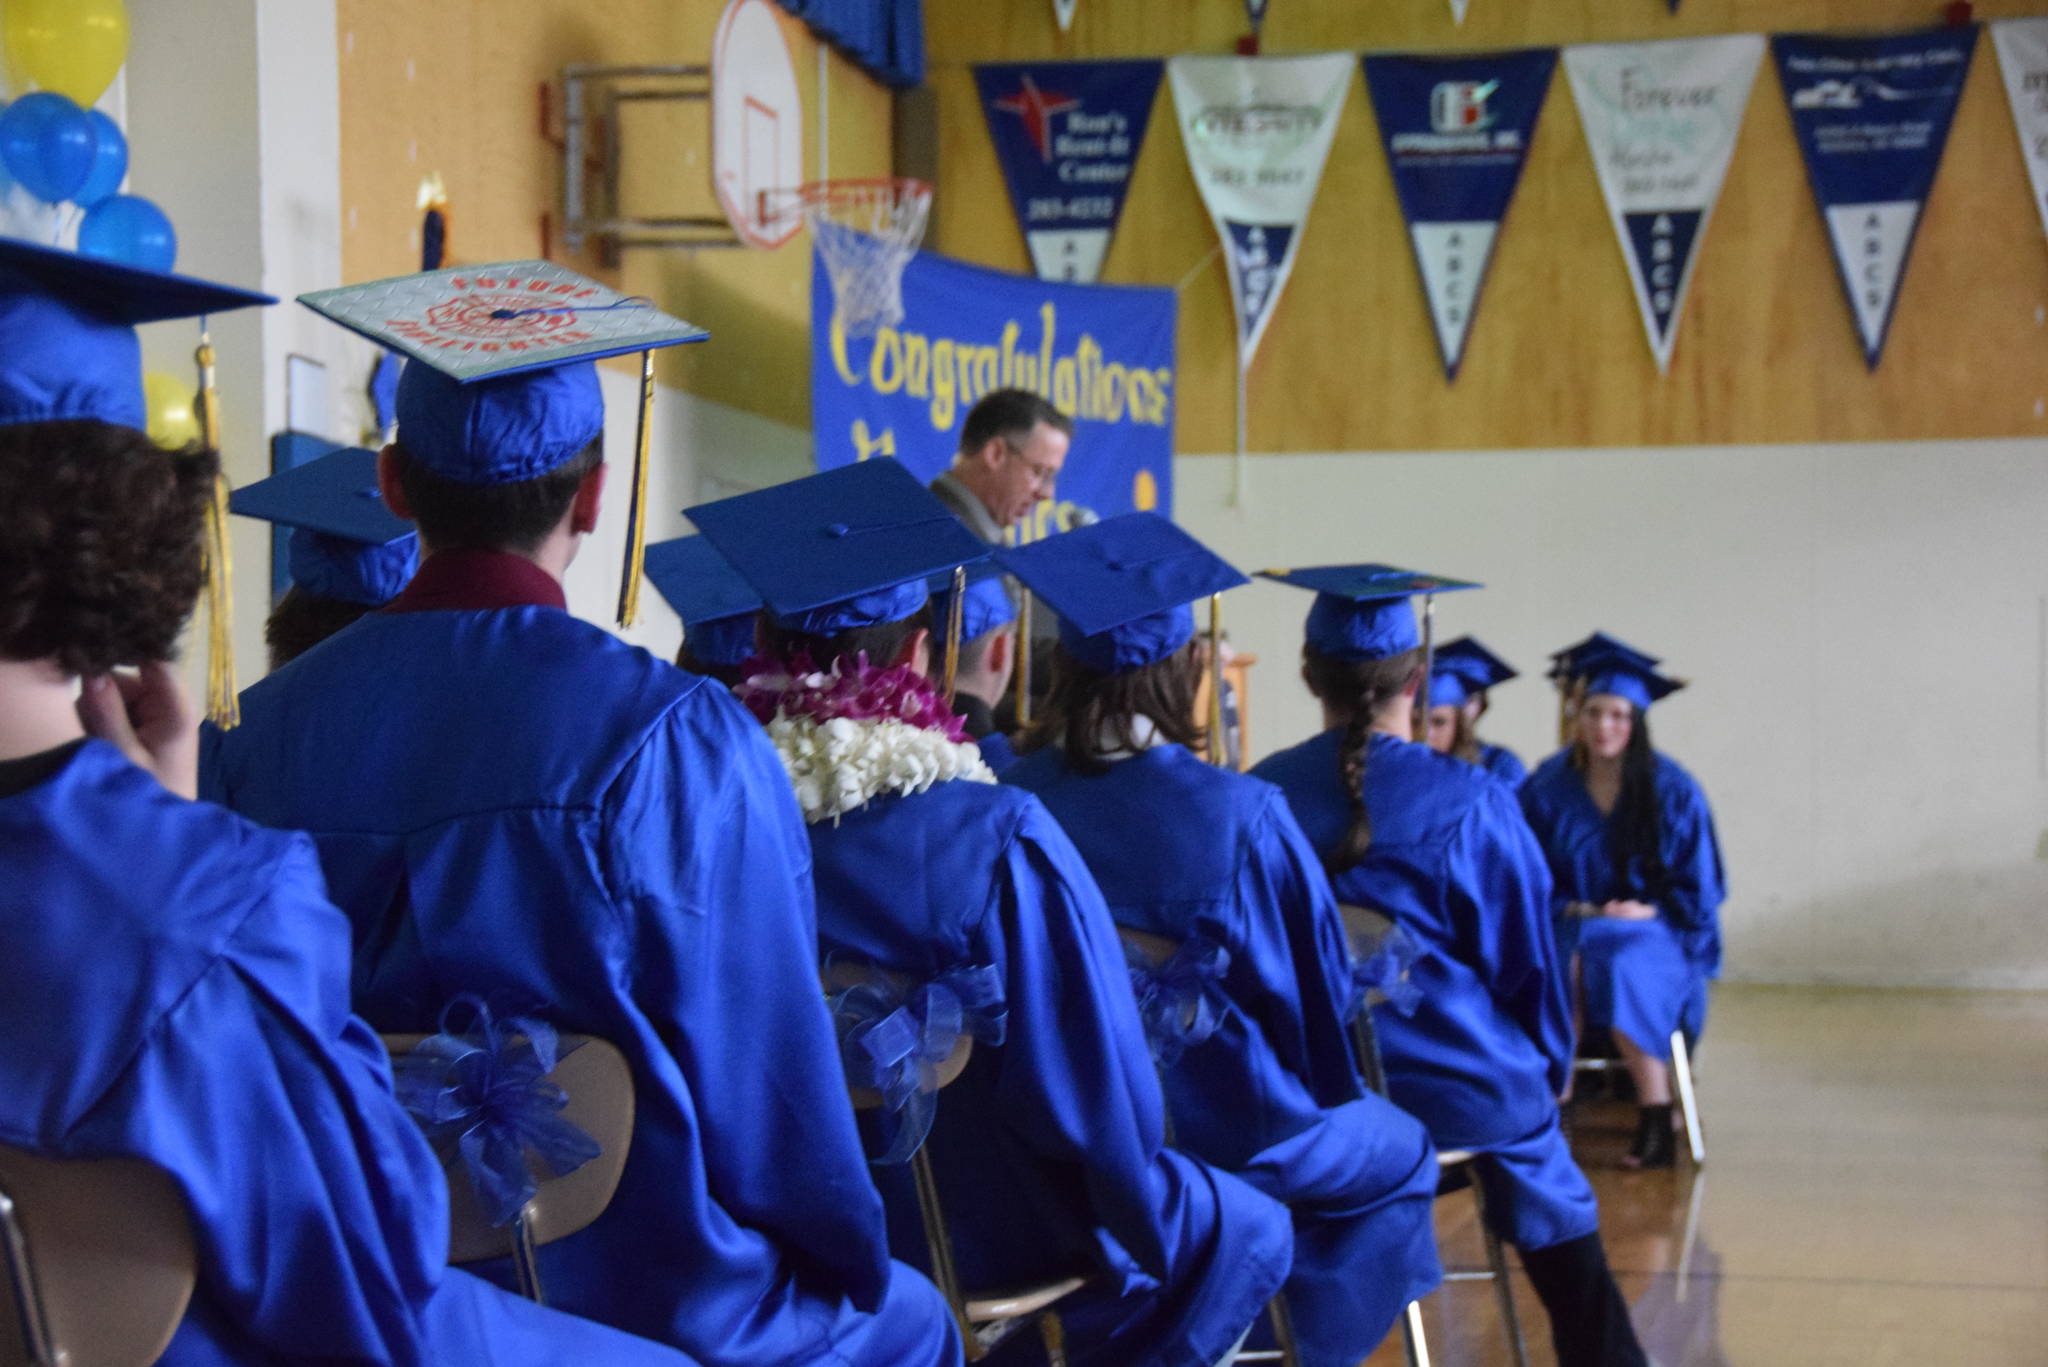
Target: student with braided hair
1442, 848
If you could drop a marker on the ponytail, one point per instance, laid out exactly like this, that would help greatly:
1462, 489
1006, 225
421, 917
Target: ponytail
1356, 691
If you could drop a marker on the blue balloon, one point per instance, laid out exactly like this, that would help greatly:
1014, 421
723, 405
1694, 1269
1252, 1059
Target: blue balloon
109, 161
48, 143
131, 230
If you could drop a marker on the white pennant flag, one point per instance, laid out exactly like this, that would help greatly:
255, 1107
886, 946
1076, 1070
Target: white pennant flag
1661, 119
2023, 58
1458, 8
1258, 131
1063, 13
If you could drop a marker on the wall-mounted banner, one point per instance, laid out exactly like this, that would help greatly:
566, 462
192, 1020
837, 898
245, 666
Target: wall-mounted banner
2023, 58
1255, 12
1067, 135
1661, 119
1458, 8
1457, 133
1102, 353
1258, 131
1063, 13
1872, 117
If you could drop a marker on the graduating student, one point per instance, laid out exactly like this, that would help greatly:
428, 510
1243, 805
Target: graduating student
1442, 848
1458, 682
1637, 869
1213, 861
514, 803
1049, 1150
175, 986
347, 556
718, 607
988, 654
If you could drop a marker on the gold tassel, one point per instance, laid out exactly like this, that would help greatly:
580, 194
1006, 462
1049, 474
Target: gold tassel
1020, 646
1219, 749
636, 515
223, 704
953, 619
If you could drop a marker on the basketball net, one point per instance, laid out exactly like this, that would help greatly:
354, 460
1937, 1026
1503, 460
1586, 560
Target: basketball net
866, 231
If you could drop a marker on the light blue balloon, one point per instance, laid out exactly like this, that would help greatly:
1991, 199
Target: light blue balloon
49, 145
109, 161
131, 230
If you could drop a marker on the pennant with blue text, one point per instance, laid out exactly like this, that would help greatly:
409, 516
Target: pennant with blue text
1067, 135
1457, 132
2023, 60
1872, 116
1661, 120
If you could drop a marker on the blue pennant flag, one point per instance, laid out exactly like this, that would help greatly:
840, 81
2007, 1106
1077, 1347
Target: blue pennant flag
1255, 11
1067, 135
1457, 132
1872, 116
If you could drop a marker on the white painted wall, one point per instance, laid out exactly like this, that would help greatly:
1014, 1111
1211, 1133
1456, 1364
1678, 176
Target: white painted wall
1866, 628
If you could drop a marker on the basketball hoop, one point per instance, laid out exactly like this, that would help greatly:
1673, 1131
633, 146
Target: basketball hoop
867, 231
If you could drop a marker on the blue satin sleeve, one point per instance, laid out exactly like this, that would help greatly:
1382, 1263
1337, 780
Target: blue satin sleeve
711, 864
1697, 884
319, 1208
1499, 885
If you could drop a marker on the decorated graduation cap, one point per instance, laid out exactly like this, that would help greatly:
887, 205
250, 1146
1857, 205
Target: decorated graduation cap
984, 604
1122, 587
68, 351
500, 384
1623, 675
345, 543
1361, 612
716, 604
845, 548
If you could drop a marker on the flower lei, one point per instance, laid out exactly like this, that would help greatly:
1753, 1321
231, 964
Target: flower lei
848, 735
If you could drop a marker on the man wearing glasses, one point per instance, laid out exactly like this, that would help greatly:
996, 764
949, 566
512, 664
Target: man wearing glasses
1011, 449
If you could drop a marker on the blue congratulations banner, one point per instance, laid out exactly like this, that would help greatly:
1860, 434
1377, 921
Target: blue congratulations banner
1872, 116
1067, 135
1457, 133
1102, 353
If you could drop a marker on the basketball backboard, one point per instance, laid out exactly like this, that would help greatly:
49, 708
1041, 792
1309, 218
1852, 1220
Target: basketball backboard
757, 142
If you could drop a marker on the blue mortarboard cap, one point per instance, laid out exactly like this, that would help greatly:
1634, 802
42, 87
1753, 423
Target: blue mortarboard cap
1624, 677
717, 606
1565, 664
345, 543
1122, 587
1361, 612
984, 606
847, 547
67, 331
1448, 688
1479, 667
500, 384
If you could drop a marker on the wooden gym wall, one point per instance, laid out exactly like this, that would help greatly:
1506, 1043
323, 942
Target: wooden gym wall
452, 86
1766, 351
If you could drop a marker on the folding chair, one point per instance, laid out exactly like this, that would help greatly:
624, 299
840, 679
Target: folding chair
1153, 951
985, 1318
1365, 929
99, 1257
1682, 1088
599, 1084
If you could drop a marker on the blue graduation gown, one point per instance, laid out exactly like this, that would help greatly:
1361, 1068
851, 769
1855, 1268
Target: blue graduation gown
997, 752
1503, 764
1049, 1149
1183, 849
175, 989
1642, 978
1488, 1050
517, 804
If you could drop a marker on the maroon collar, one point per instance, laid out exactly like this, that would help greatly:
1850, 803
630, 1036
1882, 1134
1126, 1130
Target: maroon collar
478, 581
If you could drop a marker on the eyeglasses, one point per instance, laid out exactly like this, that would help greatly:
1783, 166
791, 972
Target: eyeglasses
1043, 477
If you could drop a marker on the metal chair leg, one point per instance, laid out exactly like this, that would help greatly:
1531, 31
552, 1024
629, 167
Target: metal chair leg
1688, 1099
1503, 1284
1053, 1335
526, 1260
1412, 1334
31, 1318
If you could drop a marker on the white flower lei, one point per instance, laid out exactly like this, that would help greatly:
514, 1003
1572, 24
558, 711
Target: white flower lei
841, 765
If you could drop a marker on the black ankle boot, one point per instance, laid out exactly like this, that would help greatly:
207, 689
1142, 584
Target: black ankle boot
1589, 1324
1654, 1147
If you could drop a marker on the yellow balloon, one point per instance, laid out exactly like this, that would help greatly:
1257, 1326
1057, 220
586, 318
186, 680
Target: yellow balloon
74, 47
167, 400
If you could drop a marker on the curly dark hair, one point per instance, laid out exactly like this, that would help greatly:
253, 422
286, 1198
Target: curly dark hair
100, 556
302, 620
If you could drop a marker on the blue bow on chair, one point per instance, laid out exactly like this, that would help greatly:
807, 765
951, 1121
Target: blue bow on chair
1385, 970
1181, 1001
892, 1041
487, 1091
